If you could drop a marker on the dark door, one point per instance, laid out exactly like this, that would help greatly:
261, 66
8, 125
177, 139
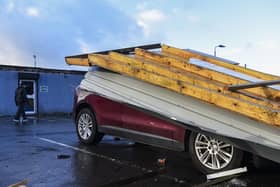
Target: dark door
31, 106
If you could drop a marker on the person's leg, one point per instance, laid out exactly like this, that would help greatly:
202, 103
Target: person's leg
18, 113
24, 116
22, 113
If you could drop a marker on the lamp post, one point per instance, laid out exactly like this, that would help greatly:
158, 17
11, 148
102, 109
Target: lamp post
221, 46
34, 56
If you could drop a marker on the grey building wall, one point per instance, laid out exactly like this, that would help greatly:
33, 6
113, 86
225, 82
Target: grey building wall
59, 97
55, 89
8, 85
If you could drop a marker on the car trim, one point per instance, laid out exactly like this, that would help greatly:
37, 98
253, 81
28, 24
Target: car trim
142, 137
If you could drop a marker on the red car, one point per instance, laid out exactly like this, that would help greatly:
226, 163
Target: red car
96, 116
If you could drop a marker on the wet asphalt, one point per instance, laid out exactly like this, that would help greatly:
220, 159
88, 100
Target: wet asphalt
46, 152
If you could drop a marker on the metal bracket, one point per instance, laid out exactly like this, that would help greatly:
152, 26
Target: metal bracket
253, 85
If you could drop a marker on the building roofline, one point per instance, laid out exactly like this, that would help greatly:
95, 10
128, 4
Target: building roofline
39, 69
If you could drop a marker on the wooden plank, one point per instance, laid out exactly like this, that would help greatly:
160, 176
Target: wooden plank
172, 73
165, 70
183, 64
251, 110
253, 85
77, 61
187, 55
267, 93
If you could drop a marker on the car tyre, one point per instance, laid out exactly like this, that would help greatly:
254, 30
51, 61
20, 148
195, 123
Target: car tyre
87, 128
210, 155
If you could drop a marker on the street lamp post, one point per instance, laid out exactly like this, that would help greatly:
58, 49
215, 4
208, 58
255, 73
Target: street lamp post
34, 56
221, 46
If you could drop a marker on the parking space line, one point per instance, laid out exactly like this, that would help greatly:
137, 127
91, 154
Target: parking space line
85, 151
117, 161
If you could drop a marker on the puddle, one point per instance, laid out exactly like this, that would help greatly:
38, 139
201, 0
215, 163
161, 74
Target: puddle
62, 156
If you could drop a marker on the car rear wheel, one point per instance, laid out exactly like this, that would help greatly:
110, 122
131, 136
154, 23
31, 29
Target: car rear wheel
86, 127
212, 155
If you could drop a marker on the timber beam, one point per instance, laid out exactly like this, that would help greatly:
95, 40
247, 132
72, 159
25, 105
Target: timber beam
183, 64
77, 61
187, 55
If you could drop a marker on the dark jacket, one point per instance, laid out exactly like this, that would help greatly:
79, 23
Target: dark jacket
20, 96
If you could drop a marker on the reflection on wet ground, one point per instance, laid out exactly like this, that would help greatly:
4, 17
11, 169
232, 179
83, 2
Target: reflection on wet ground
46, 152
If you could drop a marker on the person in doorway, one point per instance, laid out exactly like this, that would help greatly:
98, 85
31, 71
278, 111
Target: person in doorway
20, 100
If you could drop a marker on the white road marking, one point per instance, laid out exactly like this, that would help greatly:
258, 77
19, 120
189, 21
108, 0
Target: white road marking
117, 161
85, 151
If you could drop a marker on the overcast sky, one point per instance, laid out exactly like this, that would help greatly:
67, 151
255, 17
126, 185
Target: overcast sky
52, 29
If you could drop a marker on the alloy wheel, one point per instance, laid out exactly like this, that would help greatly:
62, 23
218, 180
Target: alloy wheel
213, 153
85, 126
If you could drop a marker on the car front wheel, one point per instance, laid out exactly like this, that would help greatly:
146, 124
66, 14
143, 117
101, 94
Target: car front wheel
86, 127
212, 155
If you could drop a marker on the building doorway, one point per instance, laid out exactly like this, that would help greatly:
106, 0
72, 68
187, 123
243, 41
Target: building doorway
31, 106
